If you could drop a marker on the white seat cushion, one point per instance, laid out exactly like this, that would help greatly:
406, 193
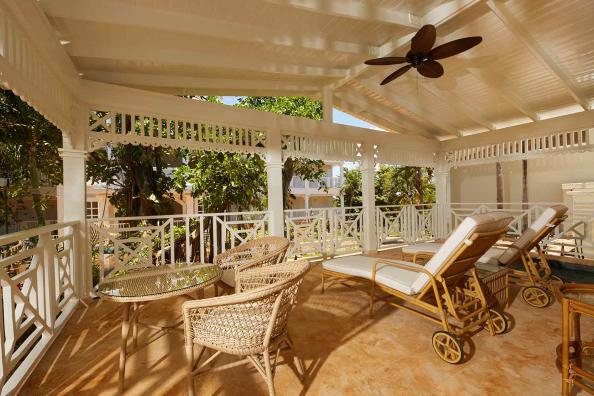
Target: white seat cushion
228, 277
362, 267
491, 256
431, 247
411, 282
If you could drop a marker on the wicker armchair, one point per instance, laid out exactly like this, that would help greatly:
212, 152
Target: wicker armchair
250, 324
255, 253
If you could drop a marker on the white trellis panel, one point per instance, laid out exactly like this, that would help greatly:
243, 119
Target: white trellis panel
320, 148
121, 127
556, 143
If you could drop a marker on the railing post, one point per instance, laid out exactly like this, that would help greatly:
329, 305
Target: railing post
274, 173
46, 260
368, 187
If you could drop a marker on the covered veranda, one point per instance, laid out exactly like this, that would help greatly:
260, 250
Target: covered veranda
109, 72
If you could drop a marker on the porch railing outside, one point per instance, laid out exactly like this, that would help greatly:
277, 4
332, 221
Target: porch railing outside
129, 242
39, 279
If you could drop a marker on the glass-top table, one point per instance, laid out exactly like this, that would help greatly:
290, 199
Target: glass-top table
137, 287
155, 283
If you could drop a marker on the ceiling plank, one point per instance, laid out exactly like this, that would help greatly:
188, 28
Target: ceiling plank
462, 107
445, 13
516, 28
143, 53
112, 12
371, 106
410, 104
356, 10
495, 85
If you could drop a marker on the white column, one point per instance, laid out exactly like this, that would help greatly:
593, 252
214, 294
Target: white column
368, 189
74, 201
274, 174
328, 103
442, 198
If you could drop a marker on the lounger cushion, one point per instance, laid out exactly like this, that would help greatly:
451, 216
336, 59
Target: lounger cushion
228, 277
478, 223
523, 242
430, 247
491, 256
362, 267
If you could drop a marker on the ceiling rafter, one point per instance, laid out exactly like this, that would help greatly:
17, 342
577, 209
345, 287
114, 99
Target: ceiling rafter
357, 10
364, 115
440, 15
371, 106
516, 28
196, 83
142, 52
462, 107
117, 13
410, 105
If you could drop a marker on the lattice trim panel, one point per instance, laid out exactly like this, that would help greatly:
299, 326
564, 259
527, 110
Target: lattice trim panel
28, 75
561, 142
394, 156
320, 148
120, 127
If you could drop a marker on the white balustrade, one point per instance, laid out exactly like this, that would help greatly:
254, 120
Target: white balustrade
39, 273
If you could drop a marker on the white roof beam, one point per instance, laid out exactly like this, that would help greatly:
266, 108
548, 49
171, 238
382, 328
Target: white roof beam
538, 51
444, 13
142, 52
462, 107
198, 83
117, 13
373, 107
356, 112
409, 104
356, 10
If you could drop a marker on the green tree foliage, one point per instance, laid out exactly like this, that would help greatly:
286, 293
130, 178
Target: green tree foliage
138, 174
394, 185
306, 169
28, 152
223, 181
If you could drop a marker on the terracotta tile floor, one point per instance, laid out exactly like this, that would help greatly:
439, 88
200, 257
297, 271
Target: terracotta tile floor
345, 353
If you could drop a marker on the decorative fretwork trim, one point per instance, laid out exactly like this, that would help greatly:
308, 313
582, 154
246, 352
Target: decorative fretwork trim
153, 130
24, 71
320, 148
387, 155
580, 140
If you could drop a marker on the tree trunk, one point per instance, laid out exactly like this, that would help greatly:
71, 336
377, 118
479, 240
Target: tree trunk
418, 177
499, 185
34, 179
288, 172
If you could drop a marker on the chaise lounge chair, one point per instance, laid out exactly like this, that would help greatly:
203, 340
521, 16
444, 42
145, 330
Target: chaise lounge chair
536, 278
446, 290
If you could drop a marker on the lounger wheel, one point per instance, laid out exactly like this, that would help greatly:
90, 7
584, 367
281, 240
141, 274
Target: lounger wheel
448, 347
499, 321
536, 296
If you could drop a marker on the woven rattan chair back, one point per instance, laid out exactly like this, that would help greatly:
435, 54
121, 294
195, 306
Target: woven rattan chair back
255, 253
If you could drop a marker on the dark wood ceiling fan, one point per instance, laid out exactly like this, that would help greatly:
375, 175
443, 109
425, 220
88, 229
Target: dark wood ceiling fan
421, 55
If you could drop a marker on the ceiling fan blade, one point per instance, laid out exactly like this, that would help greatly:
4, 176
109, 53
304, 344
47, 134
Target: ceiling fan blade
430, 69
396, 74
388, 60
424, 39
454, 47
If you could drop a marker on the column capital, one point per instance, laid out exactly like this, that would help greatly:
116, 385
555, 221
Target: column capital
73, 153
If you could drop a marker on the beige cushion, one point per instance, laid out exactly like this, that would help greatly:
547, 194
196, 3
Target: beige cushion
411, 282
362, 267
228, 277
502, 256
478, 223
431, 247
523, 242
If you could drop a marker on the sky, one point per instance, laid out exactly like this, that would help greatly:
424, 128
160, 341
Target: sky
338, 116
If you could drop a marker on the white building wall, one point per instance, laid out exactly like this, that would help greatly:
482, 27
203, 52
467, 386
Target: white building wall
545, 175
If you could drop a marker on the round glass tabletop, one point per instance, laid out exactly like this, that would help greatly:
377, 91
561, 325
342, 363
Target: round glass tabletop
144, 284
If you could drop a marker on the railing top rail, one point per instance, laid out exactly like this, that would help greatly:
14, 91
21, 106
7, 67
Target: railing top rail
325, 208
17, 236
180, 216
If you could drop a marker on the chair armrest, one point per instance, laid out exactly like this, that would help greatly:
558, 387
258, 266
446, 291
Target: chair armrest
422, 253
405, 265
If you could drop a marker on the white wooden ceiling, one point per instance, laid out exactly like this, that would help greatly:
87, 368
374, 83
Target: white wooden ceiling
536, 60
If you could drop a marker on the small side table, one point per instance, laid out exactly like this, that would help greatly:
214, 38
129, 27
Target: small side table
577, 300
137, 287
